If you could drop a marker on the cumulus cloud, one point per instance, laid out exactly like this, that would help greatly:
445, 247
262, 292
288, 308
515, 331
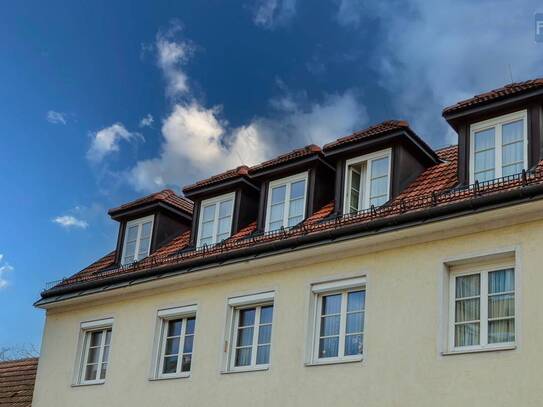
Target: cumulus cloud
4, 269
272, 13
107, 140
147, 121
56, 117
70, 222
436, 53
198, 142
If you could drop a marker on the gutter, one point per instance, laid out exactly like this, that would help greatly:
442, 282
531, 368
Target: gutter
410, 219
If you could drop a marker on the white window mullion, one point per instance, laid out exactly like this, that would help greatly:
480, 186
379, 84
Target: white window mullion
484, 309
138, 241
180, 350
498, 151
342, 325
255, 336
101, 354
216, 222
286, 208
318, 320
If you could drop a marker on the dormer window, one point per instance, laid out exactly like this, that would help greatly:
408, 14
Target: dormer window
498, 147
215, 223
137, 239
367, 181
286, 202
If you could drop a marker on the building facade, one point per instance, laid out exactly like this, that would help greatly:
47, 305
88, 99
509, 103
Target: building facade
372, 271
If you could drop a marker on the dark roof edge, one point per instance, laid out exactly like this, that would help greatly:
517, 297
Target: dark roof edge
118, 214
410, 219
492, 104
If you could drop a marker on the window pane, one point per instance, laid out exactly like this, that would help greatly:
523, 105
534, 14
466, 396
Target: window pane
225, 226
296, 208
466, 334
264, 334
512, 169
170, 364
186, 362
146, 230
512, 153
330, 325
207, 229
468, 286
108, 337
96, 338
129, 252
263, 355
276, 225
297, 189
355, 196
355, 323
93, 355
484, 139
294, 221
276, 212
266, 314
378, 201
484, 176
206, 241
379, 186
90, 372
189, 340
501, 331
328, 347
502, 305
225, 208
172, 346
144, 248
103, 371
278, 194
132, 233
379, 168
105, 354
245, 337
174, 327
208, 213
191, 322
331, 304
353, 345
501, 281
247, 317
467, 310
243, 357
356, 301
485, 160
512, 132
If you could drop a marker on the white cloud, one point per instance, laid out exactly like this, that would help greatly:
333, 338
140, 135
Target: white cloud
272, 13
56, 117
198, 142
4, 269
437, 53
107, 140
147, 121
69, 222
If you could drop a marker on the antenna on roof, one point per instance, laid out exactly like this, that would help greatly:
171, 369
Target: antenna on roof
510, 73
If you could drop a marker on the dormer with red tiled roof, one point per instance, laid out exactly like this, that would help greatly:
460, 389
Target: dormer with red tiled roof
500, 132
147, 223
376, 164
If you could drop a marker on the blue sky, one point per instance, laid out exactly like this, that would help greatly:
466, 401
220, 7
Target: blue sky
102, 102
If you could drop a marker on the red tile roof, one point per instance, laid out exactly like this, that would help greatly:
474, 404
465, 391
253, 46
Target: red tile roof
167, 196
17, 379
240, 171
436, 186
378, 129
291, 156
494, 95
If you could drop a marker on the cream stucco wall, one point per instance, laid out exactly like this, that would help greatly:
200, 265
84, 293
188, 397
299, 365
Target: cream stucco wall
403, 364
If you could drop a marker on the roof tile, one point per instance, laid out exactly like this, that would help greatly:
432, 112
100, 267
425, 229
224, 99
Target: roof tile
167, 195
240, 171
17, 380
381, 128
291, 156
494, 95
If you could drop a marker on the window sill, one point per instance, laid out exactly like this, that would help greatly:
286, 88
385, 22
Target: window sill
96, 383
335, 361
170, 377
246, 370
478, 350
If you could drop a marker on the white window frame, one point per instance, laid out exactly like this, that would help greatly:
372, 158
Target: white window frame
236, 304
364, 192
320, 290
497, 123
86, 330
217, 200
139, 222
164, 317
482, 270
287, 181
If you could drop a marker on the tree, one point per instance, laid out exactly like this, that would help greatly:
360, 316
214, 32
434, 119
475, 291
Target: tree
8, 353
